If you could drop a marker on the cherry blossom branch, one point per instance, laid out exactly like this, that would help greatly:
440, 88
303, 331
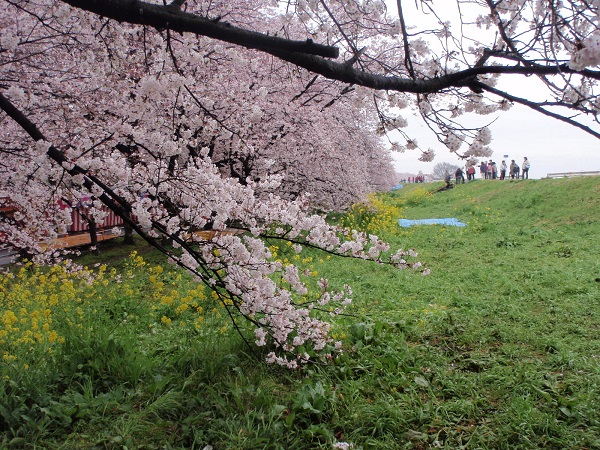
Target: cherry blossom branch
407, 59
161, 17
238, 269
303, 54
502, 30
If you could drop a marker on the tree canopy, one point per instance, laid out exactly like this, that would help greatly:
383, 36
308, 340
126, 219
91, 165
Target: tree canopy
188, 115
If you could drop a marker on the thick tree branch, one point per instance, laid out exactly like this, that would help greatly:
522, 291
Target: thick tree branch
467, 77
407, 60
305, 54
161, 17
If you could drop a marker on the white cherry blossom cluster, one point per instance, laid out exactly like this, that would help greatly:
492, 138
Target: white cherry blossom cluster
588, 55
427, 155
453, 142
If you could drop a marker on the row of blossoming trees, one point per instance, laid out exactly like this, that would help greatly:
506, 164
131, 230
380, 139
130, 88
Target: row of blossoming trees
185, 115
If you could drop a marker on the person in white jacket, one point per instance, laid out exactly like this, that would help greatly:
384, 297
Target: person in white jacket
525, 169
503, 168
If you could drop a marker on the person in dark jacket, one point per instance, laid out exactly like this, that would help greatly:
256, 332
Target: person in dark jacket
514, 170
460, 177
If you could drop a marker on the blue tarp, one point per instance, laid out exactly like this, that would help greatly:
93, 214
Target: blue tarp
450, 222
397, 187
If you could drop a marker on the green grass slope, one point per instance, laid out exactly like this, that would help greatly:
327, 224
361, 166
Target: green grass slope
498, 348
502, 339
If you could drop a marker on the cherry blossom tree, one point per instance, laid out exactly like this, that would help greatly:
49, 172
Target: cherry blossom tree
459, 49
186, 115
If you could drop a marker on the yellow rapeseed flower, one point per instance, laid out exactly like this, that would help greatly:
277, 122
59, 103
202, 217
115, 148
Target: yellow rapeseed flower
166, 300
8, 358
181, 308
52, 336
9, 318
166, 320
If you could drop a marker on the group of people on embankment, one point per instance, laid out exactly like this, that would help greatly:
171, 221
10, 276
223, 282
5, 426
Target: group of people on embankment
490, 171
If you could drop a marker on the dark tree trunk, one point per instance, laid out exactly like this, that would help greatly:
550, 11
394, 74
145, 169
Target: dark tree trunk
93, 230
128, 235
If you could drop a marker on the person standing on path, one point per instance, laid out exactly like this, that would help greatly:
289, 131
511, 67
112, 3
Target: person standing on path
483, 170
525, 169
460, 178
514, 170
471, 173
503, 170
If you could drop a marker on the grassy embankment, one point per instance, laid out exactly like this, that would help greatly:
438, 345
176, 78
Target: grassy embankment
498, 348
